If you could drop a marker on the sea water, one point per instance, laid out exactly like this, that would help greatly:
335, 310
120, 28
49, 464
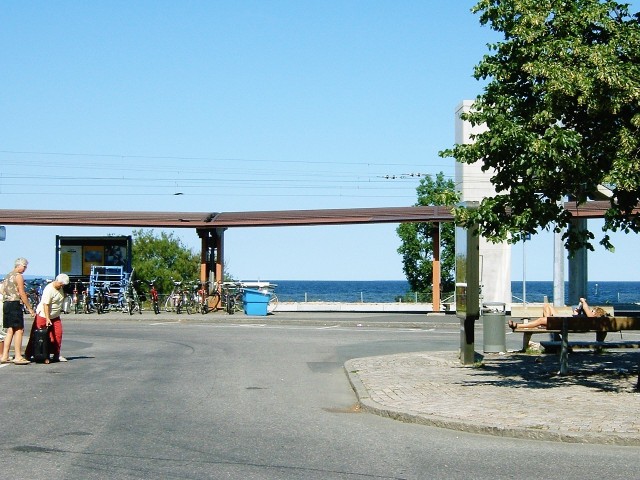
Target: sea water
393, 290
389, 291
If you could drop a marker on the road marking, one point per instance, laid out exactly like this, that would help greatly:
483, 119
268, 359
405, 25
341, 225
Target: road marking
335, 328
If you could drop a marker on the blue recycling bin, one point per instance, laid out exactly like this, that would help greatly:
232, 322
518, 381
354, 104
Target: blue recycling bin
255, 302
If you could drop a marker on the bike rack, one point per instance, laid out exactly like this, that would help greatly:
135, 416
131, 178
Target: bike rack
114, 276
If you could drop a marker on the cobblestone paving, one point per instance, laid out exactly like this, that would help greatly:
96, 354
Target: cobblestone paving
513, 395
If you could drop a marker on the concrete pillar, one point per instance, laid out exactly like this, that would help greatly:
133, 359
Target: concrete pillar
219, 265
204, 254
578, 271
474, 185
559, 254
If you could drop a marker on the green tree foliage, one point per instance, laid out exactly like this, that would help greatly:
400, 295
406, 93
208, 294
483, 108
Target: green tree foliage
562, 107
163, 257
417, 238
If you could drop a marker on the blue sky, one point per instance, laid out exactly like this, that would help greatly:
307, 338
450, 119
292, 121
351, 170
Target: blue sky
238, 106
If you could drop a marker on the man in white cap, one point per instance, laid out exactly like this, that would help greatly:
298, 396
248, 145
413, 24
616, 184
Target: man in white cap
48, 315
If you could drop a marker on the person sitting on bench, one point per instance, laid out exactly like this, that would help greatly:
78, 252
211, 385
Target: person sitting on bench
583, 309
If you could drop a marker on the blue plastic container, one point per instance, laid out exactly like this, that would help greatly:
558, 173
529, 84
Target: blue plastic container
255, 302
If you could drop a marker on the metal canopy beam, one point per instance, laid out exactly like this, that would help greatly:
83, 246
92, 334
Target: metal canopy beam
224, 220
595, 209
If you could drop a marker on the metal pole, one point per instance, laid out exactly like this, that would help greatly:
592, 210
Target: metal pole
435, 299
524, 273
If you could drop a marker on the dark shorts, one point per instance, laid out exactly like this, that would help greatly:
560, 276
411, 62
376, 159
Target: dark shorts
13, 317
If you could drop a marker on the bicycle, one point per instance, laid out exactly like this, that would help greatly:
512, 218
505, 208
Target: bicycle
89, 300
86, 301
231, 295
34, 292
188, 301
75, 299
154, 297
202, 297
98, 298
131, 298
67, 302
112, 297
217, 299
174, 300
273, 302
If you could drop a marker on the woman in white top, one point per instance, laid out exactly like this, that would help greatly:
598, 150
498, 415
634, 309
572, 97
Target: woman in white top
48, 315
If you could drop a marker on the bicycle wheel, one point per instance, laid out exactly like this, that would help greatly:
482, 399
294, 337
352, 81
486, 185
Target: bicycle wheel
99, 304
156, 306
216, 302
238, 302
231, 305
188, 304
204, 306
273, 303
168, 304
132, 302
34, 300
66, 305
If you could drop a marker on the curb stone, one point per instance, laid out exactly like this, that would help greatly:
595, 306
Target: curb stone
405, 409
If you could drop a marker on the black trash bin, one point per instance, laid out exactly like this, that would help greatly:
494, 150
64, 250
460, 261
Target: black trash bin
494, 327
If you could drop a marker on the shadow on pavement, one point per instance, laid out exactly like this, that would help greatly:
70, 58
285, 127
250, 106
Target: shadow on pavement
607, 372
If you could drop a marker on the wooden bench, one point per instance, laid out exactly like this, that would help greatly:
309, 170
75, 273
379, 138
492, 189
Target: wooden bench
522, 314
600, 325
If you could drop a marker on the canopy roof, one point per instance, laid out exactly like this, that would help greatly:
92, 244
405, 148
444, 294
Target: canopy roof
224, 219
210, 220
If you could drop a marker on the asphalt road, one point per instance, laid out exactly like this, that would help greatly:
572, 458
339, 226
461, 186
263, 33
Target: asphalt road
146, 399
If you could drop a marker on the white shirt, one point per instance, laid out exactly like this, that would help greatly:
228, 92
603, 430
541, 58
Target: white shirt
53, 297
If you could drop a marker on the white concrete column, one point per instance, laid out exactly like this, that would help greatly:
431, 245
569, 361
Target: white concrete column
578, 271
559, 254
474, 185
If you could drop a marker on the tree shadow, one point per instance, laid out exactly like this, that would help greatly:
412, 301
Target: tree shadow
609, 371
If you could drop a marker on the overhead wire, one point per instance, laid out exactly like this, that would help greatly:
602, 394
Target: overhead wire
199, 175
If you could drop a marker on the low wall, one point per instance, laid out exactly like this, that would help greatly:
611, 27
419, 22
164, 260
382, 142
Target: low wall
354, 307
